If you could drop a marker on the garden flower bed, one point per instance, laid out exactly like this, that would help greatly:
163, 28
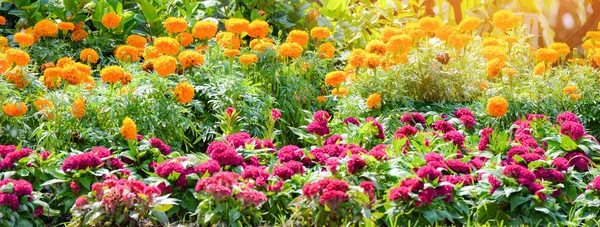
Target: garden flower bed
122, 115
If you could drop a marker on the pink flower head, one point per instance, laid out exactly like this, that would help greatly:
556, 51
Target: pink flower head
275, 114
321, 115
463, 112
517, 150
566, 116
443, 126
158, 144
580, 160
560, 163
44, 155
258, 174
81, 162
595, 184
318, 128
39, 211
379, 152
407, 130
375, 123
413, 118
11, 200
355, 164
277, 187
333, 139
5, 149
522, 174
428, 173
456, 137
573, 130
228, 158
433, 157
351, 120
494, 182
468, 121
210, 167
458, 166
251, 198
426, 196
74, 186
332, 164
333, 198
237, 140
399, 193
229, 111
290, 152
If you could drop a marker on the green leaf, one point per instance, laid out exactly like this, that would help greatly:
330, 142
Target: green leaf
333, 5
515, 201
160, 216
234, 215
86, 181
164, 207
53, 181
567, 144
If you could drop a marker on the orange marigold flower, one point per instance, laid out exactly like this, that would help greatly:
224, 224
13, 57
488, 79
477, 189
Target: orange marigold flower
399, 44
137, 41
126, 78
258, 29
321, 99
444, 31
469, 24
494, 67
320, 33
15, 109
190, 58
112, 74
575, 96
44, 106
299, 37
72, 75
18, 76
545, 54
2, 20
165, 65
167, 45
175, 25
562, 48
376, 47
66, 26
595, 35
185, 39
16, 56
151, 52
79, 25
128, 129
45, 28
429, 24
260, 44
248, 59
231, 53
4, 65
326, 51
78, 108
340, 91
89, 82
237, 25
64, 61
24, 39
540, 68
483, 86
184, 92
204, 30
357, 58
497, 106
335, 78
88, 55
372, 61
414, 29
52, 77
458, 41
127, 53
83, 69
504, 19
3, 41
510, 72
491, 52
79, 35
510, 40
374, 101
389, 32
228, 40
290, 50
570, 89
111, 20
490, 41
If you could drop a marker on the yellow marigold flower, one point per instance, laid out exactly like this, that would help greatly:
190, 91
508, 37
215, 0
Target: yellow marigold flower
66, 26
64, 61
491, 52
2, 20
570, 89
83, 69
389, 32
79, 35
376, 46
335, 78
593, 35
228, 40
562, 48
444, 31
357, 58
112, 74
320, 33
52, 77
129, 129
45, 28
248, 59
127, 53
72, 75
469, 24
24, 39
340, 91
510, 72
326, 51
3, 41
16, 56
44, 106
429, 24
258, 29
298, 36
575, 96
399, 44
4, 65
504, 19
136, 41
540, 68
15, 109
184, 92
237, 25
414, 29
490, 41
185, 39
372, 61
167, 45
111, 20
483, 86
290, 50
510, 40
321, 99
78, 108
151, 52
88, 55
190, 58
204, 30
494, 66
545, 54
497, 106
231, 53
18, 76
459, 41
260, 44
165, 65
374, 101
175, 25
201, 48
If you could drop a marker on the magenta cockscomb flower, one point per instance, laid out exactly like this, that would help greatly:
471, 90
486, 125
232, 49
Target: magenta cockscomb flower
160, 145
217, 147
275, 114
374, 122
425, 197
494, 182
237, 140
443, 126
333, 198
229, 111
228, 158
251, 198
517, 150
318, 128
351, 120
581, 161
572, 129
379, 152
561, 164
210, 167
355, 164
321, 115
12, 157
458, 166
467, 121
566, 116
413, 118
5, 149
81, 162
399, 193
433, 157
290, 152
11, 200
522, 174
456, 137
258, 174
333, 139
428, 173
406, 130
